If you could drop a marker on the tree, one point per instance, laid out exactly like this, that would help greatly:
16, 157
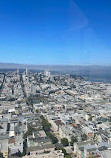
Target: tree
64, 151
84, 137
37, 111
65, 142
46, 152
52, 137
29, 132
1, 127
73, 140
24, 148
46, 125
91, 156
90, 118
19, 154
68, 156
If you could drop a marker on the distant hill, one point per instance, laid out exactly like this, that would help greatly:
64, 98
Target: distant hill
93, 71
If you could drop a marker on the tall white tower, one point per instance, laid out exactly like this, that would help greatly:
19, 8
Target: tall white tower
47, 73
26, 72
18, 72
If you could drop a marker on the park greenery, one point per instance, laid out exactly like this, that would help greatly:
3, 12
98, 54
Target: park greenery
64, 142
73, 140
84, 137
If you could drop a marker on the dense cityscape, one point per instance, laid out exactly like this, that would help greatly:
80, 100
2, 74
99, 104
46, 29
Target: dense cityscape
55, 78
43, 115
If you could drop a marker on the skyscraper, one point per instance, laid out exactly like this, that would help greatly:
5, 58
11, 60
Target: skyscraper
18, 72
47, 73
26, 72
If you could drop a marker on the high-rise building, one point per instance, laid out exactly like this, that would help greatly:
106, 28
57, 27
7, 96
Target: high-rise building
47, 73
18, 72
26, 72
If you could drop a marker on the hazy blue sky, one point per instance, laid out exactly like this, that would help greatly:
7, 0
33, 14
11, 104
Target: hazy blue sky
55, 31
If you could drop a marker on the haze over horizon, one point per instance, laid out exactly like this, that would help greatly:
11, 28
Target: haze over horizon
84, 65
66, 32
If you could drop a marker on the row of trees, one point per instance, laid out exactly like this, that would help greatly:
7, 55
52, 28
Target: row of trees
52, 137
46, 125
29, 132
64, 141
47, 128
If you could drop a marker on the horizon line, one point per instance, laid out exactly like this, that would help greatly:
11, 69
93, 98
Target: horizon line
55, 64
